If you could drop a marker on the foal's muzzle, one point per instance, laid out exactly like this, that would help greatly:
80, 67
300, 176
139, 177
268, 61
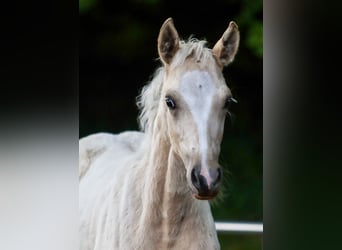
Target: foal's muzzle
206, 186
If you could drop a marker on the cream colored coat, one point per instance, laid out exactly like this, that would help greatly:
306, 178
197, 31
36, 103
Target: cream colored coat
135, 189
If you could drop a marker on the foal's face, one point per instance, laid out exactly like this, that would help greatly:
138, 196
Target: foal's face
196, 103
195, 99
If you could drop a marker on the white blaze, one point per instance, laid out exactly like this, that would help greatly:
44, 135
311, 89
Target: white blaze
197, 89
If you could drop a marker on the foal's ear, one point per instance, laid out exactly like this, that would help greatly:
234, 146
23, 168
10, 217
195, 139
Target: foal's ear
225, 49
168, 41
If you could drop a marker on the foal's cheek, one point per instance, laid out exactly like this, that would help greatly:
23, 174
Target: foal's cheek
220, 127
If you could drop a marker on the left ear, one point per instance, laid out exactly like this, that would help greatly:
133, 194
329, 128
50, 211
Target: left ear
225, 49
168, 41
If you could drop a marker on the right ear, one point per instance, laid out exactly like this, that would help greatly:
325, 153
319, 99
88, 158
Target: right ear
225, 49
168, 41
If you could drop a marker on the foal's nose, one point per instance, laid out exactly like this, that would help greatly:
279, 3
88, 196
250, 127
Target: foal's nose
206, 185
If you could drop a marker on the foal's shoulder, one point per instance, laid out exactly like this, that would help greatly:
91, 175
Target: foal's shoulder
100, 141
131, 139
94, 145
91, 147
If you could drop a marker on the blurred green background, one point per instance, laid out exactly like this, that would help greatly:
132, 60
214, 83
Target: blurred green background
118, 52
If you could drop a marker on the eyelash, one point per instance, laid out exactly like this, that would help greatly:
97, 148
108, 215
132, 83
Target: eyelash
229, 102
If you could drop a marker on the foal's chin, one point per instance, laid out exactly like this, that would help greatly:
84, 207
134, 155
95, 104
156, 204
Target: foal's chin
205, 197
198, 197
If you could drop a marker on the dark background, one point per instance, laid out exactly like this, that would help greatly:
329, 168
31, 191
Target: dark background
117, 56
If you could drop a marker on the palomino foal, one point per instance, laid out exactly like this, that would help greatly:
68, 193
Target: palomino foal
149, 190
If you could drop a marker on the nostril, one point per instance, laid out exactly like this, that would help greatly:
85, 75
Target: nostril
218, 178
194, 178
219, 174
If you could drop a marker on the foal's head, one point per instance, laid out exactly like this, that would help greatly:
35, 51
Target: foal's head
195, 98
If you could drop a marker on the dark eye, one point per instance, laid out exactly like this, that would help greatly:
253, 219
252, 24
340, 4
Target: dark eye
229, 102
170, 102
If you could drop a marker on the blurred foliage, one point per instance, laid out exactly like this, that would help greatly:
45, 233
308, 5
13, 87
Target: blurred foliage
86, 5
250, 19
118, 54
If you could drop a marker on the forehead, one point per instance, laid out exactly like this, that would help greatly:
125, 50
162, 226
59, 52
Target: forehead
201, 84
196, 83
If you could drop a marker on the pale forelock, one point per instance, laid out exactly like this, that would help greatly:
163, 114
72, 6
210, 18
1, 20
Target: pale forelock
192, 49
148, 100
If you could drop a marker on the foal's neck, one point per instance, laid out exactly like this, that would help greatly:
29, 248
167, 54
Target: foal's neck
166, 174
170, 203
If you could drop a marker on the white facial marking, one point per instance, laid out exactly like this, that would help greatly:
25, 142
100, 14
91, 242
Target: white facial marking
197, 89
